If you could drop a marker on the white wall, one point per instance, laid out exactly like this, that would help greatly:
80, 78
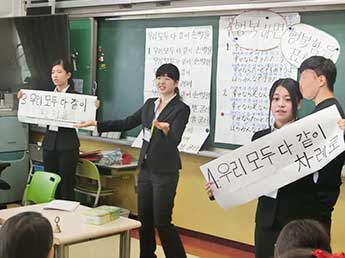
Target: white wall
11, 8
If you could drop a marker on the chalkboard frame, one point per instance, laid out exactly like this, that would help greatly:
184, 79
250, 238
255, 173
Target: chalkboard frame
123, 44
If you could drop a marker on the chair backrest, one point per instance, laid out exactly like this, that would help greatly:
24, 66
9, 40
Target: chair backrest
87, 169
42, 187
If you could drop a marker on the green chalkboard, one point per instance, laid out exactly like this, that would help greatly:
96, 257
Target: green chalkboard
332, 22
121, 79
80, 34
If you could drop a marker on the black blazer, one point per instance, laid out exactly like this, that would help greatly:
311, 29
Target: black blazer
161, 152
62, 140
302, 198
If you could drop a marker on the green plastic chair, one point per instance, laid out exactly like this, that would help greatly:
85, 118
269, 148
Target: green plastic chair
89, 181
41, 188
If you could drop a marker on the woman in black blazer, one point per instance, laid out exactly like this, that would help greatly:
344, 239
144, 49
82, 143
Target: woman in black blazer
61, 145
163, 121
285, 99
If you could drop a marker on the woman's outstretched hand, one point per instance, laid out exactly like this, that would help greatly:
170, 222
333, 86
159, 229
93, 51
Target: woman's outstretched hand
164, 126
85, 124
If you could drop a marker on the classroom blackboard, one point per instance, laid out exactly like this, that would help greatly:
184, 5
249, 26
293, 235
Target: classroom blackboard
120, 84
80, 43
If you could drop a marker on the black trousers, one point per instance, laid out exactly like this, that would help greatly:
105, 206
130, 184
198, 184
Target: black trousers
265, 239
63, 163
156, 193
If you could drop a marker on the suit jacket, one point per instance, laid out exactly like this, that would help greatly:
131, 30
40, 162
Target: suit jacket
62, 140
303, 198
161, 151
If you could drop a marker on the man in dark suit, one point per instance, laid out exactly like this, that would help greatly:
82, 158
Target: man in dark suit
313, 196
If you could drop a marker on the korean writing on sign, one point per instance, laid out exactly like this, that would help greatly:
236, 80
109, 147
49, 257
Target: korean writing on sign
259, 168
56, 109
190, 49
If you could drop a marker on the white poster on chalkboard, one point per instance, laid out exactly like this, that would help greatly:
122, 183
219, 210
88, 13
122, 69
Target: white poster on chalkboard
301, 41
245, 76
56, 108
190, 49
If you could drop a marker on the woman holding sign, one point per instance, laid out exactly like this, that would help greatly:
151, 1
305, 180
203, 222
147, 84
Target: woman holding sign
285, 99
61, 145
163, 120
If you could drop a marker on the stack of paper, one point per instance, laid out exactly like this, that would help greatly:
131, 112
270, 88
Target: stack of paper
62, 205
101, 214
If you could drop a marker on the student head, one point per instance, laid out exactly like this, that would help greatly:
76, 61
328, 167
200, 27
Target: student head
61, 73
167, 78
26, 235
304, 233
317, 77
285, 99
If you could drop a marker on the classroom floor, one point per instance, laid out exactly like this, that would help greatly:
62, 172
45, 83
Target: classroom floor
195, 248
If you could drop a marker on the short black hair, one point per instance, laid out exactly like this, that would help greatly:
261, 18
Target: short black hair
321, 66
26, 235
67, 66
169, 70
292, 87
302, 233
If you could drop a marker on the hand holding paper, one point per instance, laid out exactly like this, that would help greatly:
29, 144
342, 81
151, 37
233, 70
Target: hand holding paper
341, 124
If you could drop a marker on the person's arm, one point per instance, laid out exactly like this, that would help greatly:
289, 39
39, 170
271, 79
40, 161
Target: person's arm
130, 122
121, 125
175, 130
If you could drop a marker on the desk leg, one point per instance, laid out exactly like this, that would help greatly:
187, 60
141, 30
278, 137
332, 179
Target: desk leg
125, 244
61, 251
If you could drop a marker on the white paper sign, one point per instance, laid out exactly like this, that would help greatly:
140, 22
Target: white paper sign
277, 159
301, 41
244, 78
190, 49
56, 108
258, 30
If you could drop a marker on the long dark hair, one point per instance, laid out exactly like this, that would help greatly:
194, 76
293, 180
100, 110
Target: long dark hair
172, 72
292, 87
67, 66
26, 235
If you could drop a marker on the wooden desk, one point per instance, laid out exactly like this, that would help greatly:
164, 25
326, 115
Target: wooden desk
74, 231
123, 180
132, 165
